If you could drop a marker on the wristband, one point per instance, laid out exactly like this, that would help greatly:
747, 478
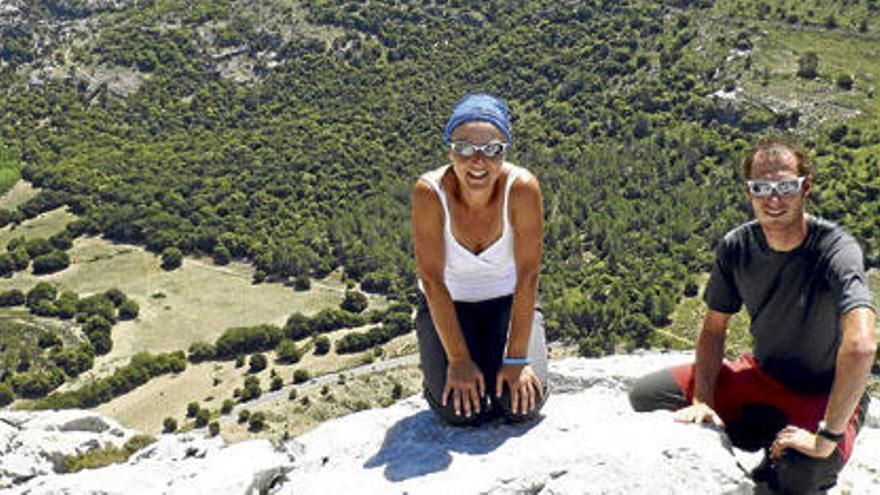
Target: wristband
515, 361
828, 435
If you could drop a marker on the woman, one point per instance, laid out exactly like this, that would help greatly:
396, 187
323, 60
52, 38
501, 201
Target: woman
477, 235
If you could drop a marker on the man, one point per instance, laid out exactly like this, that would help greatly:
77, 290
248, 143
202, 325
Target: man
802, 279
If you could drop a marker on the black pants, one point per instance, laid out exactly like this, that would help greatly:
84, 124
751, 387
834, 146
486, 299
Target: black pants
792, 473
484, 325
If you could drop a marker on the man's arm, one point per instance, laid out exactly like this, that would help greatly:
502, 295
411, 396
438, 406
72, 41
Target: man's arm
854, 359
710, 353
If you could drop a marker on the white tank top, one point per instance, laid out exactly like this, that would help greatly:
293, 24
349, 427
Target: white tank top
473, 277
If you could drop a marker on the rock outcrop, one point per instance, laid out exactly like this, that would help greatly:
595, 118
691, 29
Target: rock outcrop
588, 441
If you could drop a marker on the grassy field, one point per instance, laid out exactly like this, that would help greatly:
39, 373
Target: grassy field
195, 302
20, 192
211, 383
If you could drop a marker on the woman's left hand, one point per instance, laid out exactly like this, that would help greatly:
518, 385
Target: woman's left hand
525, 387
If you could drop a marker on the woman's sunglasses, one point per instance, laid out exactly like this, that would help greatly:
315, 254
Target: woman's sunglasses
764, 188
489, 150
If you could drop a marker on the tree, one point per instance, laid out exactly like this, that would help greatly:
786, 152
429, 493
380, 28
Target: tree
808, 66
298, 326
354, 301
171, 258
51, 262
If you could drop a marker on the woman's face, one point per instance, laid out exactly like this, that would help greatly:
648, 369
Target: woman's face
476, 172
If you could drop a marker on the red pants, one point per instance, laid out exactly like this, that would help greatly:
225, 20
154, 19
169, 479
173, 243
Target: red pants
742, 382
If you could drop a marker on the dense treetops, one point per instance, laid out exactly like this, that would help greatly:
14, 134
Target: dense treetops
307, 163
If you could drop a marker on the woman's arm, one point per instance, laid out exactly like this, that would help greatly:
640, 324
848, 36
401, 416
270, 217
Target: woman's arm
527, 220
463, 379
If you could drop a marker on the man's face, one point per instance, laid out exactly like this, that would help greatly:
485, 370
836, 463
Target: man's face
777, 210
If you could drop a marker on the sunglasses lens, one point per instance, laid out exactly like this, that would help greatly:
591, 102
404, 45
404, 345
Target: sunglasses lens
760, 189
788, 187
463, 148
493, 149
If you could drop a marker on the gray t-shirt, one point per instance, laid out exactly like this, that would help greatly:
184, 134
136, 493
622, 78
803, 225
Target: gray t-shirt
795, 298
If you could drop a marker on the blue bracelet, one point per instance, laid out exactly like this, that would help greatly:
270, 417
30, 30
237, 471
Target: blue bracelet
515, 361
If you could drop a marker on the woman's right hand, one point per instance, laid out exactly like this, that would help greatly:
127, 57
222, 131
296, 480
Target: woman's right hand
464, 381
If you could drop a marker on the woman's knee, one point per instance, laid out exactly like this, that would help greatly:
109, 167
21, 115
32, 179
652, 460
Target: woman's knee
447, 413
519, 417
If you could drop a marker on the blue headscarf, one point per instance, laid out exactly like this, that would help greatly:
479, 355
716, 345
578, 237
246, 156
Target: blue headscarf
481, 107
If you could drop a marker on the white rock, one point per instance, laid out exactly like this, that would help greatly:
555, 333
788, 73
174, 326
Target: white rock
587, 441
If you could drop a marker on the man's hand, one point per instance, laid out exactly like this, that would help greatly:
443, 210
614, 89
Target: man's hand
805, 442
525, 387
466, 384
699, 412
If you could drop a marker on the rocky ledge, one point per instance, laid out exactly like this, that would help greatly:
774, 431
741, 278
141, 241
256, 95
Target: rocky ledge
588, 441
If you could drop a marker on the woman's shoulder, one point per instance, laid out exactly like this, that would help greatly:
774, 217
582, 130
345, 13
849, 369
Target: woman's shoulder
524, 182
433, 176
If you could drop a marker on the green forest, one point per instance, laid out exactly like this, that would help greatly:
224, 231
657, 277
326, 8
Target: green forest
288, 133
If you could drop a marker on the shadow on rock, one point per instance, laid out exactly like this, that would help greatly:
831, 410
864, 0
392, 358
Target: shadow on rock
421, 444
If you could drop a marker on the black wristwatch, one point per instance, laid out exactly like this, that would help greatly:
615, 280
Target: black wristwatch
825, 433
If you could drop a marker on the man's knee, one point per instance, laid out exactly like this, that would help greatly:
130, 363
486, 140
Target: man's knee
657, 390
797, 473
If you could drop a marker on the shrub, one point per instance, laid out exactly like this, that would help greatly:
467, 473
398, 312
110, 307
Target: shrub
200, 351
169, 425
116, 296
808, 66
845, 82
246, 340
95, 305
13, 297
172, 258
37, 383
258, 363
301, 375
129, 310
243, 416
302, 283
276, 384
51, 262
202, 418
252, 389
227, 406
214, 428
288, 352
257, 421
7, 395
298, 326
42, 291
37, 246
74, 361
192, 409
292, 394
396, 391
322, 345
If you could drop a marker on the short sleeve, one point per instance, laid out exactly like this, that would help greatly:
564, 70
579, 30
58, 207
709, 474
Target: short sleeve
846, 275
721, 293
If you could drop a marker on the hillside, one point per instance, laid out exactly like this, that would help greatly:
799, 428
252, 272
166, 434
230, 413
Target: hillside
282, 137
